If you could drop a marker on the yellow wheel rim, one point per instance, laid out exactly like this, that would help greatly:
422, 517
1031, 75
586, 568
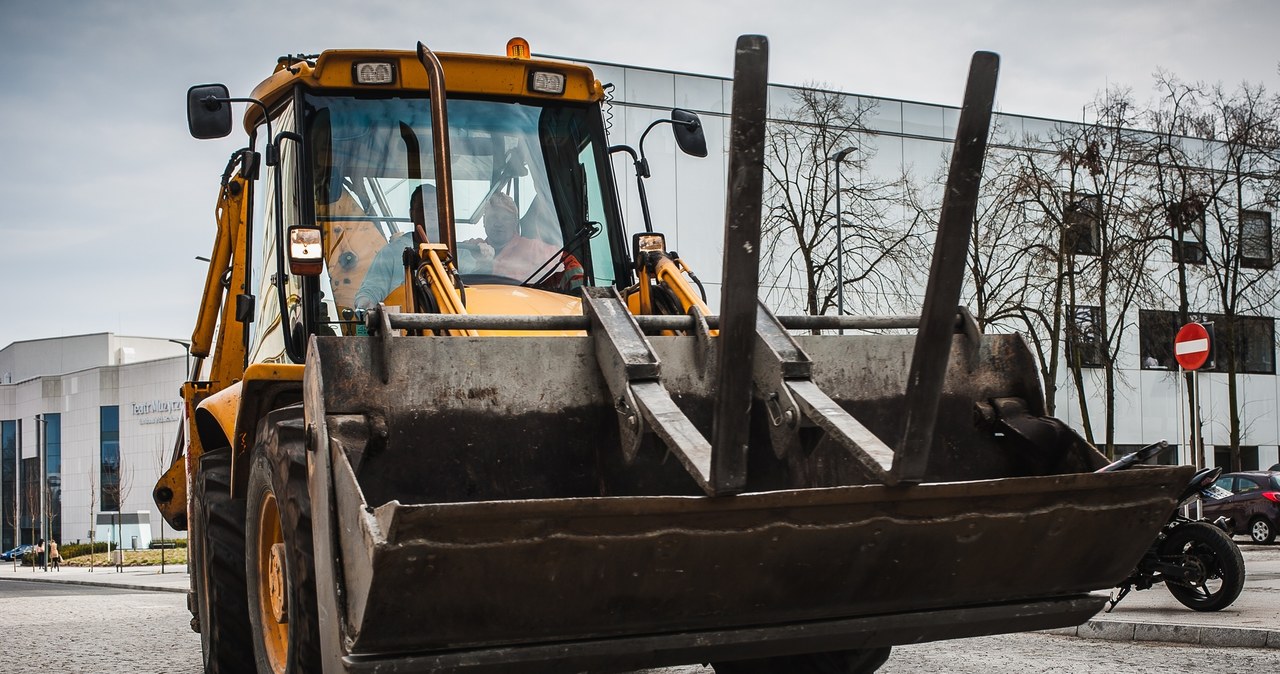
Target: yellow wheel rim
273, 604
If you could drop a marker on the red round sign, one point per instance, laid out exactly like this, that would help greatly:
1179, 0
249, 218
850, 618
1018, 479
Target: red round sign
1191, 346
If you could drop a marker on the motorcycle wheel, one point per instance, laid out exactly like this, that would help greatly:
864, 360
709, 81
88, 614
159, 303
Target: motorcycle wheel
1217, 559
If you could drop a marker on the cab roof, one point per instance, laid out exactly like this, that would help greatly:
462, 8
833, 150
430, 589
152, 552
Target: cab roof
474, 74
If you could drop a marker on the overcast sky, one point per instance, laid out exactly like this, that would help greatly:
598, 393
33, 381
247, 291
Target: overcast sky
105, 200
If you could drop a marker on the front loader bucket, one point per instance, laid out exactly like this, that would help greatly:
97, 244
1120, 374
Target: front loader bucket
486, 510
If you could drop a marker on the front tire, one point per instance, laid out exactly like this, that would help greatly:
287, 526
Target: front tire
279, 560
1261, 531
217, 549
1217, 560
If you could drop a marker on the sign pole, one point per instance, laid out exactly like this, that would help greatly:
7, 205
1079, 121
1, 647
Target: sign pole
1184, 440
1196, 426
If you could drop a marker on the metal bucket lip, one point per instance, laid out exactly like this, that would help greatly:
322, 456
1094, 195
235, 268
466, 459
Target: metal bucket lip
1165, 480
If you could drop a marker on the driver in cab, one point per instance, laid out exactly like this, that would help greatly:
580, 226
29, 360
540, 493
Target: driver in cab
503, 251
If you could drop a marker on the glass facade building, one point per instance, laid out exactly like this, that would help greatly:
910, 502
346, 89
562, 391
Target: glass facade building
906, 146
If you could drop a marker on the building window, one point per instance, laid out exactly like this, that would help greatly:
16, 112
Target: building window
1081, 216
8, 484
109, 439
1255, 239
1248, 457
1254, 345
53, 474
1085, 344
1155, 339
1248, 461
1186, 220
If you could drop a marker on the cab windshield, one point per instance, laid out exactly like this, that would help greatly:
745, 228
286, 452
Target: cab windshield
528, 207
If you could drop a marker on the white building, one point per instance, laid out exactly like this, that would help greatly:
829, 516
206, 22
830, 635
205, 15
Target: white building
105, 410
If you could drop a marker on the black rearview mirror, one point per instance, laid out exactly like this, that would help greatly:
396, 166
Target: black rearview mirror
688, 131
208, 111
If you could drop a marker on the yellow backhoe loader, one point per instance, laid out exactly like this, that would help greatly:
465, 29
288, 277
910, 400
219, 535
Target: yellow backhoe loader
446, 415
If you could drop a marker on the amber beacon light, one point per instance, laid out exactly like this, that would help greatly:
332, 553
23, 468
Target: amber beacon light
518, 48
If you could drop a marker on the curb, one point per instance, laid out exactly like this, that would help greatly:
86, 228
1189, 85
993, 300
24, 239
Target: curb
90, 583
1195, 635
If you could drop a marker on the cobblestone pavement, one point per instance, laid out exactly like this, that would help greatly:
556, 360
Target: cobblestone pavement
69, 628
1053, 654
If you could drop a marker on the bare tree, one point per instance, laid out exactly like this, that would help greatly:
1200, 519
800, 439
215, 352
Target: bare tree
1062, 247
1219, 189
93, 504
800, 236
1182, 190
1113, 161
163, 461
11, 519
31, 501
1017, 264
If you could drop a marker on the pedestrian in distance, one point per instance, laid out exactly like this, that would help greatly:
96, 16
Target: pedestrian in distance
54, 557
39, 563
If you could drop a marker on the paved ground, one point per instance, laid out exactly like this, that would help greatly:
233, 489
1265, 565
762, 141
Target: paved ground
1154, 615
65, 628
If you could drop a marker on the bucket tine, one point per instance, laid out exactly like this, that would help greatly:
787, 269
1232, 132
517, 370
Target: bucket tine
784, 378
729, 433
946, 274
633, 373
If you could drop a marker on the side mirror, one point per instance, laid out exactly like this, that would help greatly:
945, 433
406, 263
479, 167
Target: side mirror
688, 131
209, 111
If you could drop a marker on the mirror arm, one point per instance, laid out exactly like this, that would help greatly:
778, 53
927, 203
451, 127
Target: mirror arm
646, 134
211, 104
642, 171
642, 163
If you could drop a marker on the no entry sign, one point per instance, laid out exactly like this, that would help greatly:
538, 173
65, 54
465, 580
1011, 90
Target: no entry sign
1191, 346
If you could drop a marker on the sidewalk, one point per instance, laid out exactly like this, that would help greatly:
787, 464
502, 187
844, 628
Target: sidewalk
1150, 615
147, 578
1253, 621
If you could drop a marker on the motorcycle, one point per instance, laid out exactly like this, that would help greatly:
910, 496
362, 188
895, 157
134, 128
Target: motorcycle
1195, 559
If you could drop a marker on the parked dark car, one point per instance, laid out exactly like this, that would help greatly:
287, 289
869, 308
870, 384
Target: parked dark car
16, 553
1253, 506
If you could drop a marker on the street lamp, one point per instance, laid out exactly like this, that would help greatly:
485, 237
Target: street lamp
186, 345
838, 157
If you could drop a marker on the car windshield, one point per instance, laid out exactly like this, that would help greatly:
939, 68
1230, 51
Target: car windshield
1275, 482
